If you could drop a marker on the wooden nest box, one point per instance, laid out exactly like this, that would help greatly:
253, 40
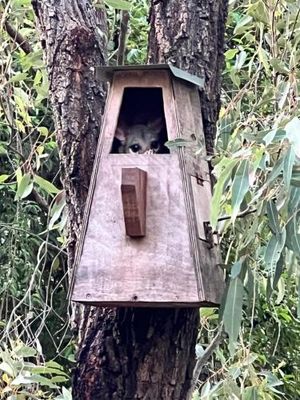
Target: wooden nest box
146, 239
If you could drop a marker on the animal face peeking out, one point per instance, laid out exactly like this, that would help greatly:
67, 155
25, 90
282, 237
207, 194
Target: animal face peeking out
140, 138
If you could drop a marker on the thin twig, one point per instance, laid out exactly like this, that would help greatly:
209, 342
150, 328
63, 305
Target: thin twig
206, 356
241, 92
240, 215
16, 228
291, 33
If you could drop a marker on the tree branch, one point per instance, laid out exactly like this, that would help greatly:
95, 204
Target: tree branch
122, 37
206, 356
17, 37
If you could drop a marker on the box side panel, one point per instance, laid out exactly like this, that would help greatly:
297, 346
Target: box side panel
197, 186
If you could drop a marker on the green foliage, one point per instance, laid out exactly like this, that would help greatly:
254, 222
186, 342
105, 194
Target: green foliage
22, 378
137, 32
118, 4
137, 41
257, 167
33, 280
255, 206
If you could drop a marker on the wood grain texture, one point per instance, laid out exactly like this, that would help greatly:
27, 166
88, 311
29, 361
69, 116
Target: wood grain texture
134, 193
175, 264
197, 187
155, 269
190, 35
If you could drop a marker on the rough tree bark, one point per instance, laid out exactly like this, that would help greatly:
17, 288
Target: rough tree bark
190, 35
72, 47
124, 353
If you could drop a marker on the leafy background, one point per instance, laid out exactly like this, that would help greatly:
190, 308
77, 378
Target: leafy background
256, 209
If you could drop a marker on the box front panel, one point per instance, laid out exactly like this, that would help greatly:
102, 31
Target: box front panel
155, 268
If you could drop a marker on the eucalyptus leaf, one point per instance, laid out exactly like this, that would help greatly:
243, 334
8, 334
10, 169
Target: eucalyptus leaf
3, 178
225, 168
205, 390
236, 269
235, 77
20, 76
293, 234
273, 220
118, 4
26, 351
288, 163
48, 370
279, 66
250, 285
7, 368
25, 186
232, 315
281, 291
278, 271
276, 171
199, 350
59, 379
242, 22
250, 393
54, 364
273, 253
45, 185
230, 54
283, 95
294, 200
66, 395
57, 209
240, 60
259, 12
292, 129
19, 175
240, 187
263, 58
25, 380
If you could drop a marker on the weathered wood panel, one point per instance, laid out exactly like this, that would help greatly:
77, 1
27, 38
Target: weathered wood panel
197, 186
156, 269
175, 264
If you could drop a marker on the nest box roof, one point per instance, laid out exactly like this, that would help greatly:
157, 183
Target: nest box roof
106, 73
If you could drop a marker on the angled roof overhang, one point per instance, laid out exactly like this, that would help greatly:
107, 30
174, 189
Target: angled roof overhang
106, 73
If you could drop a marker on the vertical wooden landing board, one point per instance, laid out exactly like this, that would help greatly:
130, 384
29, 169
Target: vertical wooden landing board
133, 188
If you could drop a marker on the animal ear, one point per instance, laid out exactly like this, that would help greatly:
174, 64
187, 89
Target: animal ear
120, 133
156, 124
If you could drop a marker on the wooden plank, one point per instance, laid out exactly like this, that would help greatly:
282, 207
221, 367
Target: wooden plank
210, 278
154, 270
133, 189
172, 265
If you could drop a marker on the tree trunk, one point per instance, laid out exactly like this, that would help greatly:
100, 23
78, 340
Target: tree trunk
72, 48
124, 353
190, 35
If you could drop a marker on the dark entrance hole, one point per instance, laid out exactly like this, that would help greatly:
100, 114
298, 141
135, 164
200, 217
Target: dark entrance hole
141, 124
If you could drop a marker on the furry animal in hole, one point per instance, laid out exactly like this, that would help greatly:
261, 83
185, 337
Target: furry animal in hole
141, 138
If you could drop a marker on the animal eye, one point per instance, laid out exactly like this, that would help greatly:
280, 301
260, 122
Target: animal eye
155, 145
135, 148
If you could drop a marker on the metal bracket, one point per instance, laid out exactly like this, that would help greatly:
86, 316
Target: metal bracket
211, 237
